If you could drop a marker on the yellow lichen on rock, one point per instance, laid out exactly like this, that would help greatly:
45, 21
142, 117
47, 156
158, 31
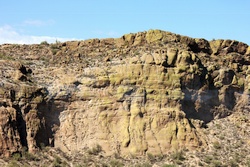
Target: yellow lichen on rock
154, 35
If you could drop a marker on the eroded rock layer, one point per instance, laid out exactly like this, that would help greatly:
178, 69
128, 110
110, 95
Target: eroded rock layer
149, 92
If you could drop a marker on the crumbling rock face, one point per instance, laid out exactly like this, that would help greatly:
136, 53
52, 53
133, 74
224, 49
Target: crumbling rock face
22, 120
149, 92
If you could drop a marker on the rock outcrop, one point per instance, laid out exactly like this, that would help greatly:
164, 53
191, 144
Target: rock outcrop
149, 92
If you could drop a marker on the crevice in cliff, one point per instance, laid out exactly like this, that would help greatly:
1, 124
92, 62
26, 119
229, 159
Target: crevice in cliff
21, 126
51, 120
43, 135
129, 132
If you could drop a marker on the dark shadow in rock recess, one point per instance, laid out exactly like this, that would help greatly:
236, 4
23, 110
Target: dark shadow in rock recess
21, 126
199, 106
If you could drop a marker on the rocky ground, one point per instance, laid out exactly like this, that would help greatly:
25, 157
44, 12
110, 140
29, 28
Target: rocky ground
147, 99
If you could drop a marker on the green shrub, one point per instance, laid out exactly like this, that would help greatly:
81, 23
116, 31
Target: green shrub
233, 163
216, 163
168, 165
146, 164
95, 150
30, 157
208, 159
42, 146
58, 162
44, 43
150, 157
217, 145
153, 158
13, 163
248, 162
178, 155
5, 57
116, 163
87, 159
54, 51
16, 156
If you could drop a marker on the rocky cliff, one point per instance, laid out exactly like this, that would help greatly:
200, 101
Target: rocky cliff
149, 92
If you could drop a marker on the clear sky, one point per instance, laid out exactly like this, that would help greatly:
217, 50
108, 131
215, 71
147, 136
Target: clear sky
30, 21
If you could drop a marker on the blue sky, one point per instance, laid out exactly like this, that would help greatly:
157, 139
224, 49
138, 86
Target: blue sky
35, 21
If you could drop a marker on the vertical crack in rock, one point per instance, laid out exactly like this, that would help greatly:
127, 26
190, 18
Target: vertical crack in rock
21, 126
153, 134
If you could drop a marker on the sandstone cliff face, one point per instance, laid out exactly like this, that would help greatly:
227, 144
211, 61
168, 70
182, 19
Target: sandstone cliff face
149, 92
21, 109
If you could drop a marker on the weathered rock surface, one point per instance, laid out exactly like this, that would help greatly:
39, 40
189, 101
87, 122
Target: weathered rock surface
149, 92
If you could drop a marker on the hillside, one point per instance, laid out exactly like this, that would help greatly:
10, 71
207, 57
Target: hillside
160, 96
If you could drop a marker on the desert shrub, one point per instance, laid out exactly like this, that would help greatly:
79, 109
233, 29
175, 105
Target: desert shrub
150, 157
233, 163
13, 163
216, 163
137, 52
58, 162
116, 163
86, 159
169, 165
5, 57
44, 43
30, 156
248, 163
54, 51
16, 156
217, 145
200, 164
54, 46
95, 150
42, 146
153, 158
117, 156
237, 157
208, 159
82, 165
146, 164
178, 155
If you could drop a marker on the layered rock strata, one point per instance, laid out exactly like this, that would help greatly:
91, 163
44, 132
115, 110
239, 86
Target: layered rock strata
149, 92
